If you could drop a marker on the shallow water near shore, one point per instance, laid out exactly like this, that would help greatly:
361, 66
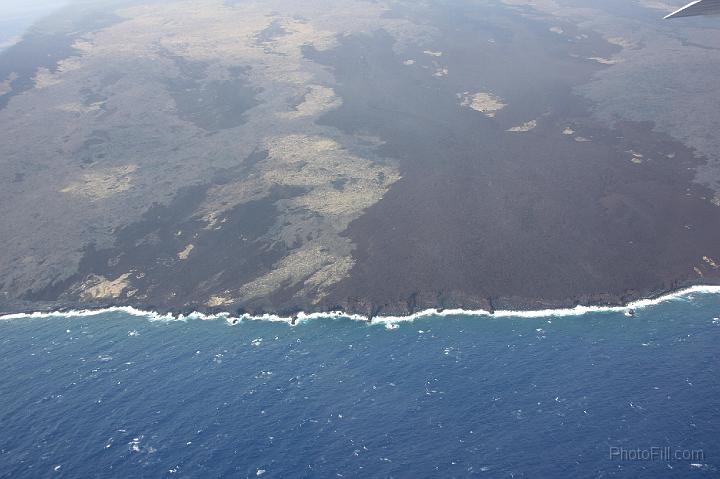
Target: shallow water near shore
458, 395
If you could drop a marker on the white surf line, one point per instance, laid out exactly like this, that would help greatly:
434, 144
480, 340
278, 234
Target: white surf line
386, 320
81, 313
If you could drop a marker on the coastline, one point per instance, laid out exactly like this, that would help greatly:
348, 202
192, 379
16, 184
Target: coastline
389, 321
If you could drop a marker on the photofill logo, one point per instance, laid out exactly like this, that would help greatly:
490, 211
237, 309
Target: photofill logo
666, 454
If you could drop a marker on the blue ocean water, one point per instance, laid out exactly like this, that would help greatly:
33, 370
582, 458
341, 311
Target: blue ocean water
115, 395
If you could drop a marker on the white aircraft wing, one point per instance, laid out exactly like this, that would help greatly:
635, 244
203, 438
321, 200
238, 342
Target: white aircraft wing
698, 7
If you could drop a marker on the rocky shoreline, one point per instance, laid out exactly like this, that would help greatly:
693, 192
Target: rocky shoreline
367, 308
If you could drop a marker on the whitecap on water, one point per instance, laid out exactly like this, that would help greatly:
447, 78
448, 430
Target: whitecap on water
135, 444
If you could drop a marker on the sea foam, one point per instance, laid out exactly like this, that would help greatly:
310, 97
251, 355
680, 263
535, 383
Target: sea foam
390, 322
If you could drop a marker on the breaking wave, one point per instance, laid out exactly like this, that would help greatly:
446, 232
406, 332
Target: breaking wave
390, 322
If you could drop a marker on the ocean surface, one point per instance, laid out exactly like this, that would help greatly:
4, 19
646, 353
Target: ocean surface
16, 16
597, 393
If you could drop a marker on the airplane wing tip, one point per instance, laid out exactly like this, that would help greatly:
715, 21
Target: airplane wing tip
681, 12
696, 8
